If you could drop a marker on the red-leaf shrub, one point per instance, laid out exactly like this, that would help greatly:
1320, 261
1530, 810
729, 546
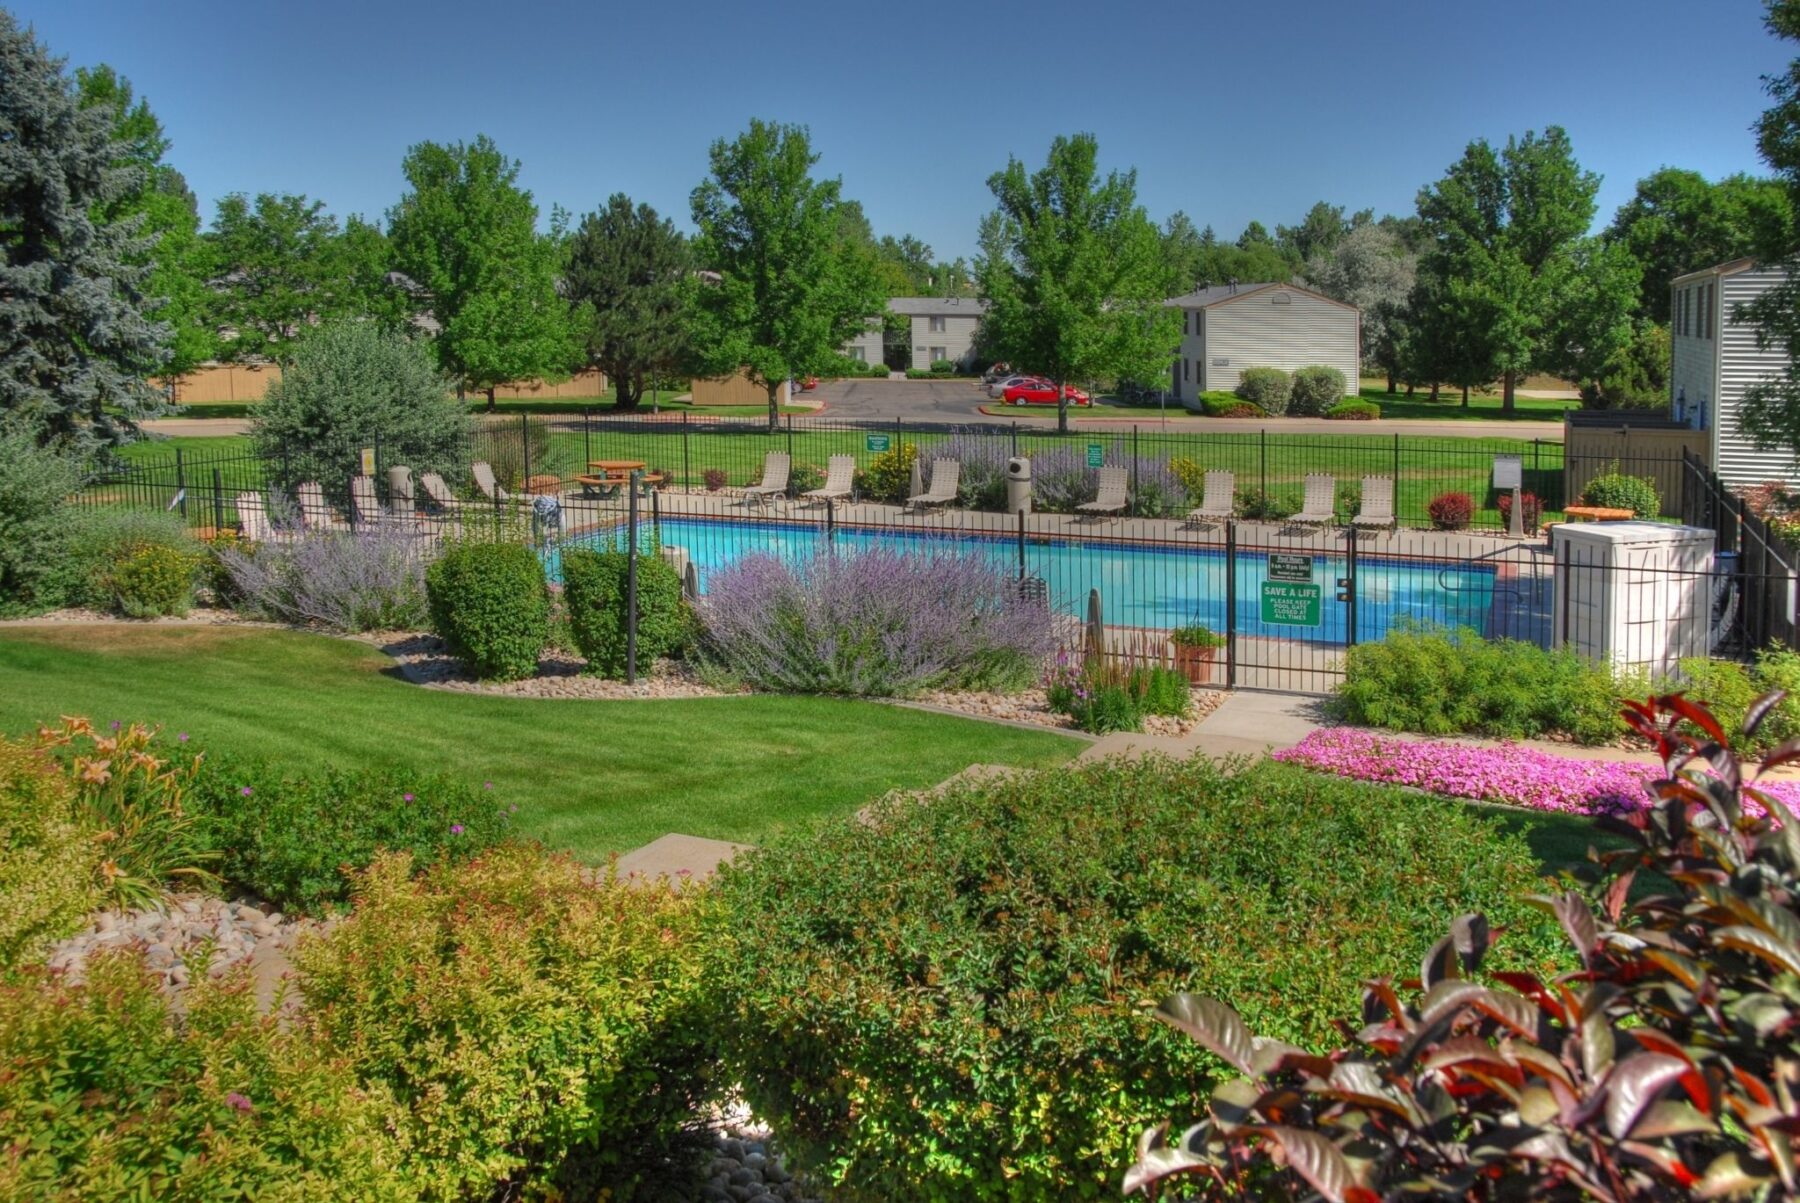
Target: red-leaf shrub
1451, 511
1662, 1067
1532, 511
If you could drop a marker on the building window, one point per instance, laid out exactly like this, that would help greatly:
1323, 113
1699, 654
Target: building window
938, 353
1706, 309
937, 325
1184, 371
856, 353
1681, 312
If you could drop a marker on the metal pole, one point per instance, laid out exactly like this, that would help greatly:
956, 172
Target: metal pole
1262, 437
181, 484
656, 516
1134, 462
631, 559
1021, 544
525, 451
686, 473
1350, 587
587, 442
830, 524
790, 440
1231, 604
218, 502
1015, 437
1396, 463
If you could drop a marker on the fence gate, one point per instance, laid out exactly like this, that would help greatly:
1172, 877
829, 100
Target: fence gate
1290, 612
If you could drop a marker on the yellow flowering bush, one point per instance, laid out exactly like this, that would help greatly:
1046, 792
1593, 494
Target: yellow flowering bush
48, 862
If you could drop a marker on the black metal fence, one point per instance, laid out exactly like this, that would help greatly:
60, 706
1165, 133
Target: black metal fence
696, 453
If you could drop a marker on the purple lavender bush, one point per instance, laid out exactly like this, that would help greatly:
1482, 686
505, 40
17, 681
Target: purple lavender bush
1061, 479
873, 623
372, 579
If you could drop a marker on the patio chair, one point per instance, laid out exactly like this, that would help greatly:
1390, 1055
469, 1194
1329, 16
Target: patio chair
1218, 502
368, 510
438, 493
1113, 496
946, 477
315, 514
840, 480
1377, 507
774, 482
253, 520
483, 472
1319, 503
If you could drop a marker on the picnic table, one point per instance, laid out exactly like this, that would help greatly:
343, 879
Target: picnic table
1596, 513
606, 476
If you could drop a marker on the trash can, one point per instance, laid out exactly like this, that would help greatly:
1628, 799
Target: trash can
400, 490
1018, 485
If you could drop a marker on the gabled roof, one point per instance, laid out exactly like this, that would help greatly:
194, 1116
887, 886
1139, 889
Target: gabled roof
1724, 269
1221, 294
937, 306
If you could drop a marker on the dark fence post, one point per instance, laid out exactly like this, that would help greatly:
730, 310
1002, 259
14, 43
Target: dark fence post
525, 451
830, 524
790, 441
1015, 436
1231, 604
1396, 463
1134, 462
1021, 544
687, 474
587, 440
656, 517
218, 502
181, 484
631, 574
1350, 587
1262, 438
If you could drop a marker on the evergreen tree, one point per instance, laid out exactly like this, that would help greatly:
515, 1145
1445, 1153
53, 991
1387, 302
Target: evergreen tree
626, 277
76, 341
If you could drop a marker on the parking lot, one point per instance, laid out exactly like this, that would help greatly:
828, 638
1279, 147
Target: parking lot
908, 400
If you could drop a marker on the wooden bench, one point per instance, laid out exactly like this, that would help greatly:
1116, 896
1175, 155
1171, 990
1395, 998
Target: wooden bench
1596, 513
607, 484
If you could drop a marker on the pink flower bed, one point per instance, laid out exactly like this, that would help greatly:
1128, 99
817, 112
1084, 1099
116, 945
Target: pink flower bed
1510, 774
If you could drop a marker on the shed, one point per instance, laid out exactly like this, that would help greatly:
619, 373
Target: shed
1714, 362
1226, 328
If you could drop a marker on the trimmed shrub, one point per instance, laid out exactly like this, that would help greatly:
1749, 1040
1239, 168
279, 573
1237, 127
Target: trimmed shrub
943, 367
34, 522
1451, 511
48, 864
714, 479
1443, 682
1730, 689
1271, 505
889, 474
1314, 390
489, 603
110, 1097
944, 995
1228, 405
1617, 491
804, 477
536, 1023
875, 622
1354, 411
291, 836
369, 579
594, 599
97, 542
350, 385
1531, 510
151, 580
1267, 388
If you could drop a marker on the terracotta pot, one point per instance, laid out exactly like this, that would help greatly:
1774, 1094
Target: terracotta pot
1196, 662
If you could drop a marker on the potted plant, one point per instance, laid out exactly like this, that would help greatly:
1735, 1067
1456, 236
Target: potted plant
1196, 647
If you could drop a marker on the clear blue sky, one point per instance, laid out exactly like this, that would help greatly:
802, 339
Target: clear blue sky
1231, 111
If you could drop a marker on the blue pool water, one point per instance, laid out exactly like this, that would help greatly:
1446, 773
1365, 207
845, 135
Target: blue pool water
1140, 585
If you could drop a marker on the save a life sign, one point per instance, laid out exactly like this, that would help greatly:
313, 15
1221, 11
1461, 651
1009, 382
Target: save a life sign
1289, 596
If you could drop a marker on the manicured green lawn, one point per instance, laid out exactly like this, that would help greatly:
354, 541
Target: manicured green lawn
1449, 407
161, 447
593, 777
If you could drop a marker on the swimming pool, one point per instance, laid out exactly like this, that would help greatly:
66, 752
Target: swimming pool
1141, 585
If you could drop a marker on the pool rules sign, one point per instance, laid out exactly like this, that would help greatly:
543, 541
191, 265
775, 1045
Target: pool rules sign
1290, 596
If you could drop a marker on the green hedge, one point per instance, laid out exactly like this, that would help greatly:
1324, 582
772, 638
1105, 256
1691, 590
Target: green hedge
49, 862
594, 594
1730, 689
944, 1000
1443, 682
1228, 405
1314, 390
1269, 388
1354, 411
1616, 490
489, 602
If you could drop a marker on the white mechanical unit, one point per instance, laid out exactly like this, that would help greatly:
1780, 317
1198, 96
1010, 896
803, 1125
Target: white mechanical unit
1635, 593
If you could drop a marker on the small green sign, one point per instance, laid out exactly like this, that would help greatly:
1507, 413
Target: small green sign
1290, 604
1285, 566
878, 442
1096, 455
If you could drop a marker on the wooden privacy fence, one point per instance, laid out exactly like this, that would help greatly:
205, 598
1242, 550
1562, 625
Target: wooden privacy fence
1639, 447
241, 383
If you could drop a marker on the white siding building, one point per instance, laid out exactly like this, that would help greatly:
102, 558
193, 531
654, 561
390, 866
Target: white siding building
1229, 327
942, 328
867, 346
1714, 362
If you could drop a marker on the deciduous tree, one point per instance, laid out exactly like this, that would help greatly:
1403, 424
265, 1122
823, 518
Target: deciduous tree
76, 338
790, 290
626, 277
466, 234
1369, 268
280, 272
1771, 409
1073, 273
1678, 222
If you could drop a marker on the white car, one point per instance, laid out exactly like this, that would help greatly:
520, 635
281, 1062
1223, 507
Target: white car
998, 388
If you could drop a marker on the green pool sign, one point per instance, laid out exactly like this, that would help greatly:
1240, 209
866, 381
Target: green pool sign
1096, 455
877, 442
1290, 604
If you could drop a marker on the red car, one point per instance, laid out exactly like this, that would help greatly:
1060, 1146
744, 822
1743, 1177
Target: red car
1042, 392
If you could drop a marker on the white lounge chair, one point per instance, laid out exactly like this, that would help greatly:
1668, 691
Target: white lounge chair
1218, 501
437, 492
365, 506
1318, 505
483, 472
1113, 495
840, 480
253, 520
774, 482
315, 514
946, 478
1377, 507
